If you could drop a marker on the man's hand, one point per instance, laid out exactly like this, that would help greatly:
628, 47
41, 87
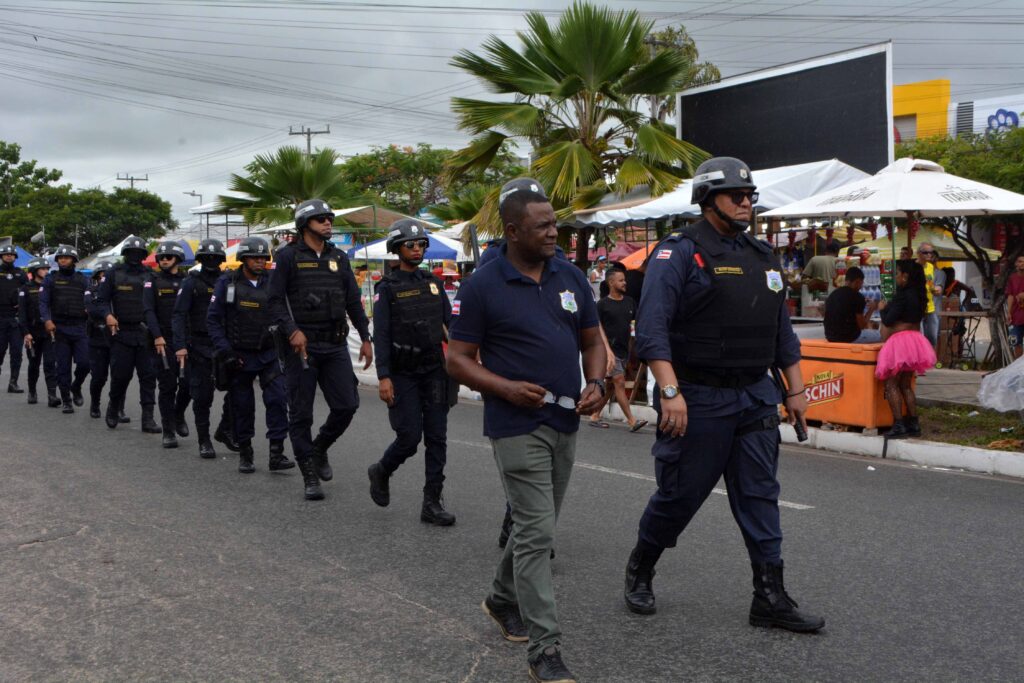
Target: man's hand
386, 390
112, 324
366, 354
161, 345
796, 406
50, 327
298, 343
524, 394
610, 364
673, 416
28, 341
590, 400
181, 355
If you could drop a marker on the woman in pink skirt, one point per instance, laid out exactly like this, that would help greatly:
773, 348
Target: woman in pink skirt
906, 350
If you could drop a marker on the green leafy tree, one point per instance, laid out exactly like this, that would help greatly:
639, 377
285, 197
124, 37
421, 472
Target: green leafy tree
401, 178
677, 39
577, 92
19, 177
275, 182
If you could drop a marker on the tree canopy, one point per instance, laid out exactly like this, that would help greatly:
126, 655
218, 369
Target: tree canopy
18, 177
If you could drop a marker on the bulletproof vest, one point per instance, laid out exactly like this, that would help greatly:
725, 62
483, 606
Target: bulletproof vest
31, 302
248, 317
202, 290
67, 297
165, 293
316, 291
732, 326
417, 319
127, 295
99, 335
10, 281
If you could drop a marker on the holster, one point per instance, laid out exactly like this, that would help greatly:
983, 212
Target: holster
223, 372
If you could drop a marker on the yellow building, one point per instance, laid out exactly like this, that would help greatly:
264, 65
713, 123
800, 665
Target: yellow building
921, 109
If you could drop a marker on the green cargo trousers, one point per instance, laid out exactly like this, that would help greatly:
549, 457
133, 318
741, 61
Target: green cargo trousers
535, 470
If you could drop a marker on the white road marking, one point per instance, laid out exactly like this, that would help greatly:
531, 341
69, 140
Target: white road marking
634, 475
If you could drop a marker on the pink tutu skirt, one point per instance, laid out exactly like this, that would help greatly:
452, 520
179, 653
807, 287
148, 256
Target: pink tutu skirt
906, 351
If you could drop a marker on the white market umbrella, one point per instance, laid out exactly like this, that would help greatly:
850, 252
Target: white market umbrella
906, 187
441, 249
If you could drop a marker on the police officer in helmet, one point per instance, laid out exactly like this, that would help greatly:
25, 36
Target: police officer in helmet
411, 315
239, 323
194, 347
312, 293
11, 280
38, 343
120, 303
712, 321
63, 301
159, 301
99, 349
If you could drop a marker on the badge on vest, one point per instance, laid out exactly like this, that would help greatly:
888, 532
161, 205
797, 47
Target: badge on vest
433, 289
568, 301
731, 270
333, 265
774, 278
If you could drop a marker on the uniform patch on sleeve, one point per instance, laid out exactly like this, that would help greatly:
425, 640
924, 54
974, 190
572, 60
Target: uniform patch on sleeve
664, 254
456, 305
148, 285
213, 297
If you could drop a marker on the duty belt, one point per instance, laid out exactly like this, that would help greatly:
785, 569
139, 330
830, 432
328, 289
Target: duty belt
764, 424
326, 336
719, 380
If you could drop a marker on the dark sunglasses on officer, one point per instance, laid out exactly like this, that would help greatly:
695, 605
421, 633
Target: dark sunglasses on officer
412, 244
737, 196
166, 257
323, 218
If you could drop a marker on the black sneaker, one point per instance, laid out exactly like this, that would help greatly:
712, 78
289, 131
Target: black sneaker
380, 490
508, 619
548, 667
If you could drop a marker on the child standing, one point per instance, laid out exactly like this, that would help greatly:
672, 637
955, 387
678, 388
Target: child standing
906, 350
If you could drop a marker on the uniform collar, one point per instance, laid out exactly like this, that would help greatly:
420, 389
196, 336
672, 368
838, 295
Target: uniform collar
301, 244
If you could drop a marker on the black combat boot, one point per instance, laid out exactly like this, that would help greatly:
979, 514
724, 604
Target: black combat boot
180, 426
898, 430
913, 426
52, 399
245, 457
278, 460
772, 606
206, 451
149, 425
506, 528
309, 479
433, 511
76, 394
380, 488
94, 408
112, 417
66, 405
319, 455
122, 418
639, 592
32, 397
169, 440
224, 435
13, 388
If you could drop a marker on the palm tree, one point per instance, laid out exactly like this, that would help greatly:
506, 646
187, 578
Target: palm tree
276, 182
577, 89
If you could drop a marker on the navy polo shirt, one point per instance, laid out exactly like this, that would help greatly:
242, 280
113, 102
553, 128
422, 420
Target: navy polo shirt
527, 332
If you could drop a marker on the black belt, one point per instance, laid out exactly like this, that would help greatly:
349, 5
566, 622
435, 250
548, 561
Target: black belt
325, 336
764, 424
719, 380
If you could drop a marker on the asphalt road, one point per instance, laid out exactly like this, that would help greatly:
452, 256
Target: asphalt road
123, 561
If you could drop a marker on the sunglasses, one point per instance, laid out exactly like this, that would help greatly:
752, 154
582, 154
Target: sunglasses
422, 244
326, 218
166, 257
738, 197
926, 253
560, 401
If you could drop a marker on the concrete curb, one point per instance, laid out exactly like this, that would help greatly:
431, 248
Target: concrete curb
926, 453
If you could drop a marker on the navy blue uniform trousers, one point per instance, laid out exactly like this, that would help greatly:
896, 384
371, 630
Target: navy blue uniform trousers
42, 355
99, 368
202, 389
173, 395
330, 367
11, 337
71, 344
130, 354
420, 411
243, 400
688, 467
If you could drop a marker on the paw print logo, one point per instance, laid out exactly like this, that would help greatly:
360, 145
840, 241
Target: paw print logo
1002, 121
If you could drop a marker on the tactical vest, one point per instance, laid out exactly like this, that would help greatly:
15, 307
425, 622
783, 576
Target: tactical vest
417, 320
33, 318
732, 326
10, 282
67, 297
316, 290
248, 317
202, 290
127, 300
99, 335
165, 293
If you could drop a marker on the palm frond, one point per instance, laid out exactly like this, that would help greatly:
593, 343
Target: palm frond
476, 156
665, 74
476, 116
660, 146
565, 166
632, 173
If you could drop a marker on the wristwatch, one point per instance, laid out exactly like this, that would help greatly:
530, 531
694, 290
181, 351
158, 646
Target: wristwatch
597, 383
669, 391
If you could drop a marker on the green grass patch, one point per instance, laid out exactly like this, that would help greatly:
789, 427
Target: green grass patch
972, 427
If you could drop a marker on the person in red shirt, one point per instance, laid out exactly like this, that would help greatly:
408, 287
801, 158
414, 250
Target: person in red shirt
1015, 302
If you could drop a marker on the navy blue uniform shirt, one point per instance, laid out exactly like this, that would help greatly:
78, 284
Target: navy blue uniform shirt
45, 289
382, 317
527, 332
216, 325
672, 279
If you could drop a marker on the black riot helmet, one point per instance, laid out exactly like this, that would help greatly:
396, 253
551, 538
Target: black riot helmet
8, 249
66, 250
405, 230
102, 267
171, 248
36, 264
721, 174
252, 246
134, 246
311, 208
211, 248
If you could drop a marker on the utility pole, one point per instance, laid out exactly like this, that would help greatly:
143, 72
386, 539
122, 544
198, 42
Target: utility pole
193, 193
132, 179
309, 133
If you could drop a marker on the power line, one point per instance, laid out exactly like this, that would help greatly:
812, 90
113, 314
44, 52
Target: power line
132, 179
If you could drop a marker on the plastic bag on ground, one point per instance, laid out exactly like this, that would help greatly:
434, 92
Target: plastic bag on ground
1003, 390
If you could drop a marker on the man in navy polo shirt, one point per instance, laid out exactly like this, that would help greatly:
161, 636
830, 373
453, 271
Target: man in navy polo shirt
529, 316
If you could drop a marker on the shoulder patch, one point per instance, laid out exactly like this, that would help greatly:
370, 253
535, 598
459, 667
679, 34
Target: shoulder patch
456, 305
664, 254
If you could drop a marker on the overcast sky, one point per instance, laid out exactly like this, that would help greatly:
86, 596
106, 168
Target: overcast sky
187, 91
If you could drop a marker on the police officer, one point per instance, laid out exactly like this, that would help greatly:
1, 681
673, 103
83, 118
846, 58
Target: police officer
99, 349
159, 300
194, 348
717, 403
239, 324
11, 280
119, 302
38, 343
63, 299
311, 292
411, 314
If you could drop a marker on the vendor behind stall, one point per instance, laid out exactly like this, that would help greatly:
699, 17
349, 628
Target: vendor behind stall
847, 313
818, 279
